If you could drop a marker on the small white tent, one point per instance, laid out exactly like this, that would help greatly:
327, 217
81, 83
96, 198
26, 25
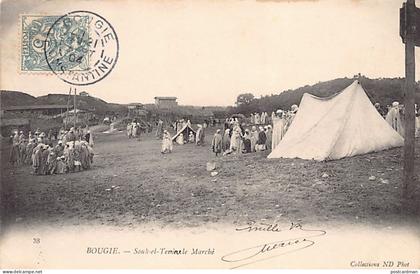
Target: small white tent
185, 130
343, 125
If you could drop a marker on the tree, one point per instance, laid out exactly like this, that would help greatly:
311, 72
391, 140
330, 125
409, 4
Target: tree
383, 91
244, 99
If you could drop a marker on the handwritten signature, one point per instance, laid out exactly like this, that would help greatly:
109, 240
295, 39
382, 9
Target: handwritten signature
276, 248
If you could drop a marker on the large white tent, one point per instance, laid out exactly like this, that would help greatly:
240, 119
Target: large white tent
343, 125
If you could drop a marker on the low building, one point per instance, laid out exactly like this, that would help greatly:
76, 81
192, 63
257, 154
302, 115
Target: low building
35, 109
166, 102
136, 110
84, 93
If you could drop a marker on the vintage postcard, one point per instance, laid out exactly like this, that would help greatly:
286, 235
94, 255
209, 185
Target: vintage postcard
261, 134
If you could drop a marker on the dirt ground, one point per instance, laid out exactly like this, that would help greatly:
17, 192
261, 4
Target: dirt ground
176, 189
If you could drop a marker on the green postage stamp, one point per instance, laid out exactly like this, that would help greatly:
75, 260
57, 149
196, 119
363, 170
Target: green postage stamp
46, 37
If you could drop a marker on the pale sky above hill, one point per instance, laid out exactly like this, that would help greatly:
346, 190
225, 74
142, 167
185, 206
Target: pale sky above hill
207, 52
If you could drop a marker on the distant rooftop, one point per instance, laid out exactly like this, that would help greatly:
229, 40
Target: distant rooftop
165, 98
134, 104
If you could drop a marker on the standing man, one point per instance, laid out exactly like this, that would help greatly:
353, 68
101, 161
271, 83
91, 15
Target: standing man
269, 135
199, 134
262, 139
217, 143
159, 129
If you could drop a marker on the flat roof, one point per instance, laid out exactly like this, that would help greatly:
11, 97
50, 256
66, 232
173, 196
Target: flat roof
35, 107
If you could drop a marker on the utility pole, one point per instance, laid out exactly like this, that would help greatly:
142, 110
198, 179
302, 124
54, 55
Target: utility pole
67, 113
409, 31
74, 109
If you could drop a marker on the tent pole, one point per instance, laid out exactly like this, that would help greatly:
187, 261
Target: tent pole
409, 90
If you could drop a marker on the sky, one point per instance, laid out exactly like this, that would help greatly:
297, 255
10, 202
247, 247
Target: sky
208, 52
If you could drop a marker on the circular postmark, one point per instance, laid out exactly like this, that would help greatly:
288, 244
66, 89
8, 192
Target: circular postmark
81, 48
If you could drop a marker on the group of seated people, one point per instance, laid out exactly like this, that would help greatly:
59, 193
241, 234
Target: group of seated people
72, 152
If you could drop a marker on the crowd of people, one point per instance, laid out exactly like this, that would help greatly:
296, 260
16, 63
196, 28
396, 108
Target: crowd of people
71, 151
134, 129
259, 118
239, 139
263, 133
266, 132
258, 133
67, 151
